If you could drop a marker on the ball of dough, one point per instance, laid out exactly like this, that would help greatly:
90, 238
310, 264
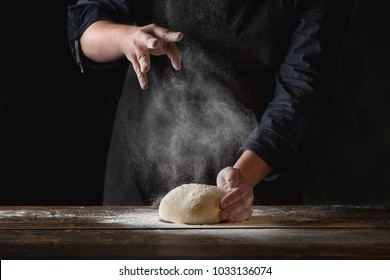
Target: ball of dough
192, 204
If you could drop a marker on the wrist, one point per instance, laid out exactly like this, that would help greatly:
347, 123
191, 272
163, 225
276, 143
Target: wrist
252, 168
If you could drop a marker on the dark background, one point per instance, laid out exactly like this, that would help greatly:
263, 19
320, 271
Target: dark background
55, 122
348, 159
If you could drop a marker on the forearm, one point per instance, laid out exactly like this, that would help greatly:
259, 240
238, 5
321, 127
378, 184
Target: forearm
252, 168
102, 41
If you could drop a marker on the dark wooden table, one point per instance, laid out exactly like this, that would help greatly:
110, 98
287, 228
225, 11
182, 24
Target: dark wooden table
273, 232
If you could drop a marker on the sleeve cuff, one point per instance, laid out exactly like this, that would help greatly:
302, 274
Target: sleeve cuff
273, 149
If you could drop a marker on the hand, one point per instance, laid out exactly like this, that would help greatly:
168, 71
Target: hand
239, 181
237, 204
151, 40
106, 41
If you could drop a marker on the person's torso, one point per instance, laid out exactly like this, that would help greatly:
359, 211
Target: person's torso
246, 38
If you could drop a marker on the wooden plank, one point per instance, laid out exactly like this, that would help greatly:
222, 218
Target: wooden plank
274, 232
94, 217
248, 243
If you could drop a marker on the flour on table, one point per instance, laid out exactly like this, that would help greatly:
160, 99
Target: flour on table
192, 204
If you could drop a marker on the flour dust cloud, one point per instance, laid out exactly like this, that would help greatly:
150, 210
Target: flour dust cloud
192, 126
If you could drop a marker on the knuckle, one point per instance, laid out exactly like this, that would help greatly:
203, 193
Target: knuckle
153, 25
139, 74
140, 32
141, 55
166, 33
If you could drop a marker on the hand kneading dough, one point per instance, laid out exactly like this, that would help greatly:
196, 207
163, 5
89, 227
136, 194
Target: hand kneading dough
192, 204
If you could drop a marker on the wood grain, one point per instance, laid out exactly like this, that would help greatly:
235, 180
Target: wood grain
274, 232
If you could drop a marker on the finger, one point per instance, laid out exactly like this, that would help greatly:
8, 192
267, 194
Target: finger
142, 44
238, 211
144, 39
234, 196
164, 34
234, 178
240, 205
221, 182
174, 55
152, 43
242, 216
142, 78
140, 60
143, 59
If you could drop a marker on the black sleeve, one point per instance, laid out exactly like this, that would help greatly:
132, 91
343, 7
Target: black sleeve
305, 85
85, 12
